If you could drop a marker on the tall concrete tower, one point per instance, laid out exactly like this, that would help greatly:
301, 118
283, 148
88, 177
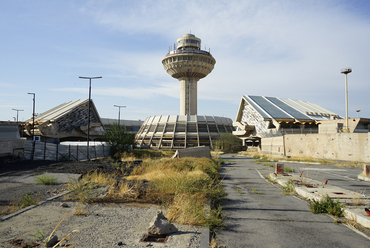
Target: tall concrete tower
188, 63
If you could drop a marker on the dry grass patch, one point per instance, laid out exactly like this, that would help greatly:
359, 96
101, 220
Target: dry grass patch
183, 186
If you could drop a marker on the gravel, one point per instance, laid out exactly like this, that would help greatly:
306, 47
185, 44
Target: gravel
105, 225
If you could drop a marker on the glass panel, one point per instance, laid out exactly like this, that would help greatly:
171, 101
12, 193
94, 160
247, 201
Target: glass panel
170, 128
192, 128
180, 127
221, 128
212, 128
160, 128
202, 128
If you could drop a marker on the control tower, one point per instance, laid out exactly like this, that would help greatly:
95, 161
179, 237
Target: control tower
188, 63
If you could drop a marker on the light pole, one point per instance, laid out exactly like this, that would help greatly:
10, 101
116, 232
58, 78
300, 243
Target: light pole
17, 112
88, 118
33, 125
345, 72
119, 111
358, 111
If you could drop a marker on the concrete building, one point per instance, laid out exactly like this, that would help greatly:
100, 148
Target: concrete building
181, 131
261, 117
68, 122
10, 140
187, 63
132, 126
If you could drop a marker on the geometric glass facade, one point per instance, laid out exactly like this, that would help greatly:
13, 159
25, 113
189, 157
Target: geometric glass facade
182, 131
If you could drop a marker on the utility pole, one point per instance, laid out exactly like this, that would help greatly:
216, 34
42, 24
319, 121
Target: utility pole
33, 125
345, 72
119, 111
88, 118
17, 112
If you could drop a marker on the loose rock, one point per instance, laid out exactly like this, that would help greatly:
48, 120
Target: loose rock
160, 225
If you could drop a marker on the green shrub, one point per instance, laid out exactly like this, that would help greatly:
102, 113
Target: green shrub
46, 179
288, 189
227, 142
288, 169
327, 205
119, 139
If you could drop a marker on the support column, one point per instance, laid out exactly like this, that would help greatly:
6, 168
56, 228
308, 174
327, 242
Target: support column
188, 96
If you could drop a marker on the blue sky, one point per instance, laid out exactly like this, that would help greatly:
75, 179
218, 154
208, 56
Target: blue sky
288, 49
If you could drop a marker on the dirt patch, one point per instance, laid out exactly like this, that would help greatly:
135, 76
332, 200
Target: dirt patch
13, 193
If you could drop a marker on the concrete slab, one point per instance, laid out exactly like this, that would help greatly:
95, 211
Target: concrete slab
30, 178
363, 178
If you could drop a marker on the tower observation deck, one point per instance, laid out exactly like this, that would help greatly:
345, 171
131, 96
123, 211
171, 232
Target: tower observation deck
188, 63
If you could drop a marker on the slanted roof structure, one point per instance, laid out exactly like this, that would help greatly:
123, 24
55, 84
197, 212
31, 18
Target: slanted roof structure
67, 120
261, 116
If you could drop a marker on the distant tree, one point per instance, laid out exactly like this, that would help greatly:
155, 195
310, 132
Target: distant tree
227, 142
119, 139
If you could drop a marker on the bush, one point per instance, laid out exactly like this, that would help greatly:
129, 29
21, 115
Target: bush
227, 142
327, 205
119, 139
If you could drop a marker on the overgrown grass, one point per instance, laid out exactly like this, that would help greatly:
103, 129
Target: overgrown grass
287, 169
46, 179
84, 190
143, 154
27, 200
184, 186
327, 205
288, 188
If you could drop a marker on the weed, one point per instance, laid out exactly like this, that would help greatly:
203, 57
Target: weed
258, 162
288, 189
233, 168
271, 179
46, 179
256, 157
27, 200
327, 205
254, 191
287, 169
238, 191
358, 198
39, 235
250, 169
268, 164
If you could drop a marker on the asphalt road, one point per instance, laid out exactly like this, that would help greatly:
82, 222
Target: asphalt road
259, 215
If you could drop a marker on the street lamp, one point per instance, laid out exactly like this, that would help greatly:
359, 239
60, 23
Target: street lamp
119, 111
33, 125
17, 112
88, 118
358, 111
345, 72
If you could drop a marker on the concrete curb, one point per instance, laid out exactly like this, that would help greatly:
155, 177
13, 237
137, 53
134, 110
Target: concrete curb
355, 213
6, 217
205, 236
367, 179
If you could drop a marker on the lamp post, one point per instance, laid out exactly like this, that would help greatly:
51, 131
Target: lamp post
345, 72
358, 111
17, 112
33, 125
119, 111
88, 118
